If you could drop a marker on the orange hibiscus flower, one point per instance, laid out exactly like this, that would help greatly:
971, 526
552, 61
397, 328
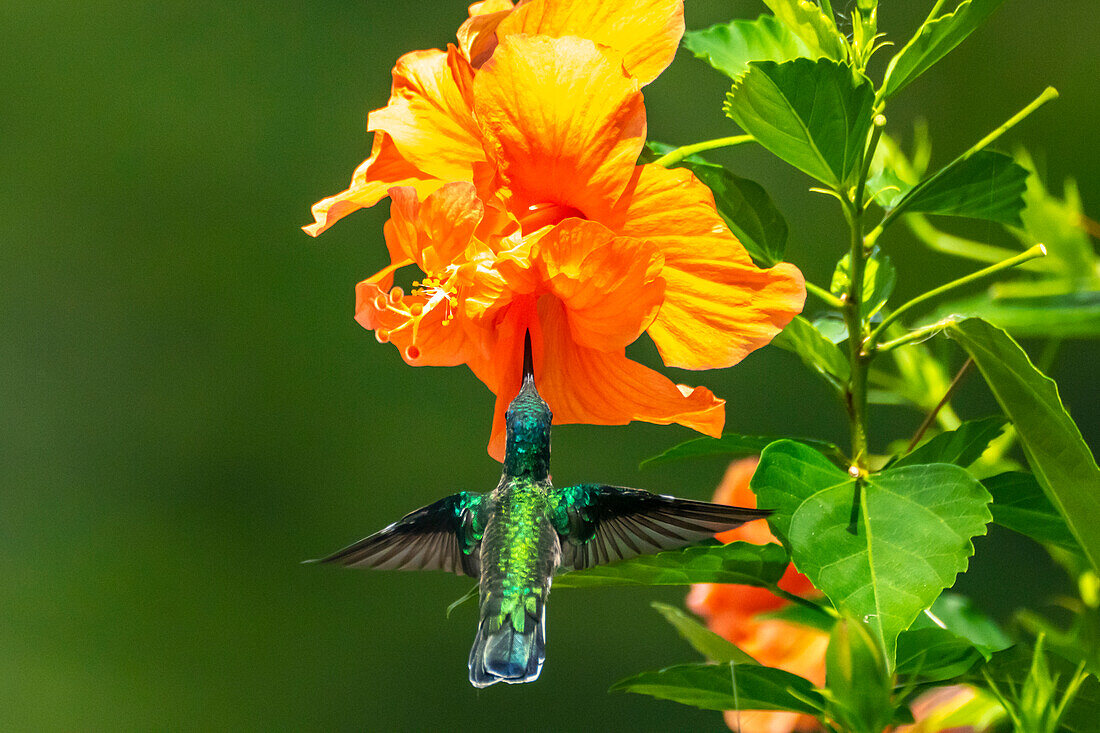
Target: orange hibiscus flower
732, 611
561, 125
426, 135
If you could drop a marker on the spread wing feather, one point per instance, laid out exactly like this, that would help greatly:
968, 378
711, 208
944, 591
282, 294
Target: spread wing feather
445, 535
600, 524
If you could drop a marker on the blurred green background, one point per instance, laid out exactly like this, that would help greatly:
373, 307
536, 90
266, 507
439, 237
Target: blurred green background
189, 410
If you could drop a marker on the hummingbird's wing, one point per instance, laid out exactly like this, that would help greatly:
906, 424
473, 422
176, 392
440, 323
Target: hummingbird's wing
445, 535
600, 524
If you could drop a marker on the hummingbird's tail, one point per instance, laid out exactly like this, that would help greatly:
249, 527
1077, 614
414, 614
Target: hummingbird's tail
510, 645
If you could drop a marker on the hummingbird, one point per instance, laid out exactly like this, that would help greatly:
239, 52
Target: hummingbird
515, 539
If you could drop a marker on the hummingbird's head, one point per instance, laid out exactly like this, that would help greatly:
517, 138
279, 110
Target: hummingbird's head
528, 419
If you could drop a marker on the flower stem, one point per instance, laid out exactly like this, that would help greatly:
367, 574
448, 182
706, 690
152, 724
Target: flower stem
1036, 251
673, 157
855, 397
824, 295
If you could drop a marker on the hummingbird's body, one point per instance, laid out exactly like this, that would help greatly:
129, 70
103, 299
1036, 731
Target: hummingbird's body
516, 538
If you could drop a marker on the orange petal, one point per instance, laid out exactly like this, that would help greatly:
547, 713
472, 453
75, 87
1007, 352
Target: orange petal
645, 33
719, 306
372, 180
434, 233
562, 121
428, 117
477, 36
610, 286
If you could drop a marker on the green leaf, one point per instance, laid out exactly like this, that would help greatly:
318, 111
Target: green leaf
801, 338
745, 207
859, 686
1070, 315
737, 562
935, 39
879, 278
812, 25
912, 536
712, 687
797, 613
1062, 462
986, 185
933, 654
1020, 505
815, 115
703, 640
961, 446
730, 47
732, 445
958, 615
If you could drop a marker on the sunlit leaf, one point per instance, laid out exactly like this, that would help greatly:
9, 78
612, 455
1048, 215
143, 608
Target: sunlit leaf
810, 23
1052, 442
934, 654
934, 40
879, 278
703, 640
744, 205
912, 535
961, 446
1069, 315
817, 352
958, 615
1020, 505
737, 562
730, 47
815, 115
732, 445
986, 185
712, 687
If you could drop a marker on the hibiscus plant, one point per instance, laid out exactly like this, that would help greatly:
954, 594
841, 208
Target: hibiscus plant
522, 185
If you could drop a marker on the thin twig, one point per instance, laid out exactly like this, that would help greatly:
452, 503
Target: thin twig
936, 410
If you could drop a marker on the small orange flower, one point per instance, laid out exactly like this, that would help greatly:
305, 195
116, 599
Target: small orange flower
732, 610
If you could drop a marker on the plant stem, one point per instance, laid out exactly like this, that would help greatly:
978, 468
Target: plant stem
673, 157
939, 406
855, 396
1030, 254
824, 295
918, 335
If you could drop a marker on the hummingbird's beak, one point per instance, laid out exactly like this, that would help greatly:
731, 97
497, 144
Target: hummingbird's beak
528, 360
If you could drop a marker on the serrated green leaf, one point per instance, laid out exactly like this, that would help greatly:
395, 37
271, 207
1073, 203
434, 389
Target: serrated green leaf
986, 185
737, 562
1052, 442
711, 687
732, 445
731, 46
712, 646
814, 115
912, 537
802, 615
810, 23
961, 446
935, 39
933, 654
879, 278
744, 205
1020, 505
1070, 315
802, 339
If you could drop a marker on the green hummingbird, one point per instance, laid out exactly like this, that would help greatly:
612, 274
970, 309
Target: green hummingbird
517, 537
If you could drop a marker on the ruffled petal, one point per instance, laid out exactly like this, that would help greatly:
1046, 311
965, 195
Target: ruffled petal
719, 306
428, 117
477, 36
384, 169
611, 287
561, 120
646, 33
437, 232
